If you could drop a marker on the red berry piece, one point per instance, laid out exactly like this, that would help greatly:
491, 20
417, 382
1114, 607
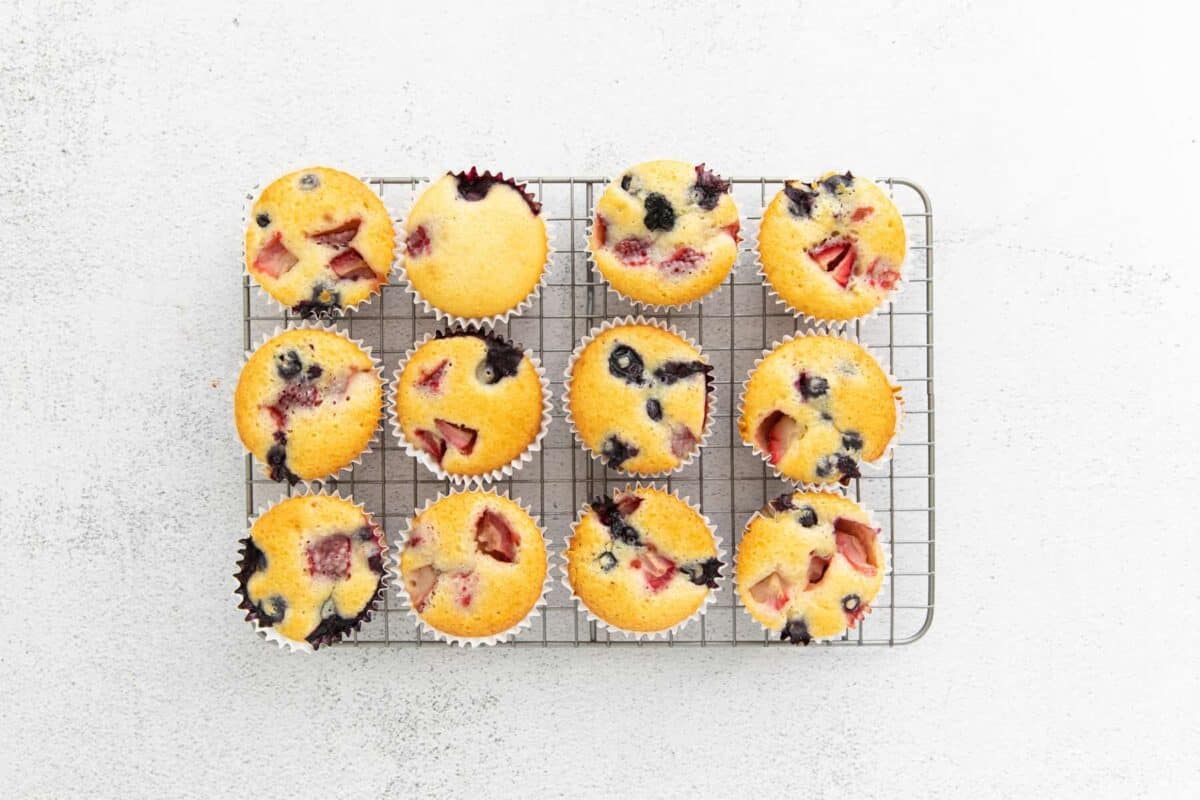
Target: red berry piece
628, 504
734, 231
349, 265
431, 381
601, 230
298, 395
633, 252
774, 434
460, 437
657, 568
431, 443
855, 541
274, 258
683, 261
836, 256
329, 557
816, 570
861, 213
772, 591
417, 243
683, 441
338, 237
495, 537
420, 583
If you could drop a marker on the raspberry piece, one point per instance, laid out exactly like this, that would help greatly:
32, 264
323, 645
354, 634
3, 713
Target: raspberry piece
339, 236
627, 504
432, 380
855, 541
682, 261
460, 437
633, 252
349, 265
329, 557
274, 258
417, 243
298, 395
495, 537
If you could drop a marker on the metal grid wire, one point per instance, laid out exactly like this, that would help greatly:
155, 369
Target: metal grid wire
734, 325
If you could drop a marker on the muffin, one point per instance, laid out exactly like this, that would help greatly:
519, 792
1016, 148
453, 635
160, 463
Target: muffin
832, 249
319, 241
470, 404
476, 246
311, 570
665, 233
642, 561
815, 406
473, 567
809, 565
639, 396
307, 403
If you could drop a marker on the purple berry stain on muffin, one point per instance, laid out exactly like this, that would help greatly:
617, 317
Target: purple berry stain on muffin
474, 186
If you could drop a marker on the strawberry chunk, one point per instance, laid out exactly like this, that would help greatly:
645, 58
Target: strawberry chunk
845, 268
337, 237
420, 583
417, 243
495, 537
771, 591
349, 265
432, 380
627, 504
836, 255
856, 542
274, 258
816, 569
682, 261
633, 252
431, 443
734, 231
329, 557
601, 229
774, 435
861, 213
460, 437
683, 441
657, 568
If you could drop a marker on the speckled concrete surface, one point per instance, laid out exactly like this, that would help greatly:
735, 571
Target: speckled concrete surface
1062, 661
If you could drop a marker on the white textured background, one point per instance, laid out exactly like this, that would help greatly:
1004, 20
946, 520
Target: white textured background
1060, 149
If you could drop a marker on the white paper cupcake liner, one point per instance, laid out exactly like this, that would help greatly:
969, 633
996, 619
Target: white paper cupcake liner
709, 385
468, 641
663, 308
885, 568
420, 455
334, 314
325, 325
665, 633
897, 397
268, 632
821, 323
453, 319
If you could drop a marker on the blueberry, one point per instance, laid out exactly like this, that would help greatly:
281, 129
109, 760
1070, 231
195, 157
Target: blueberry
321, 304
473, 186
375, 563
501, 361
288, 364
309, 181
625, 363
654, 409
834, 182
708, 188
330, 629
626, 180
824, 467
851, 602
673, 371
314, 372
848, 467
796, 631
616, 452
263, 220
660, 216
703, 573
800, 201
607, 561
277, 460
782, 503
825, 415
253, 560
272, 610
609, 516
811, 385
807, 516
852, 440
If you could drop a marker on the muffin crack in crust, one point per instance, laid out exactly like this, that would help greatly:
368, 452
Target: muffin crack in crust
665, 232
809, 565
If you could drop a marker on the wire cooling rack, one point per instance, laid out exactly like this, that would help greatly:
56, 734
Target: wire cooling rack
733, 325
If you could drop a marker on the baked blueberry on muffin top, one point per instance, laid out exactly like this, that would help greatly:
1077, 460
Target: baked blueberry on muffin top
319, 240
311, 569
833, 248
476, 245
471, 401
816, 406
665, 232
809, 565
639, 397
